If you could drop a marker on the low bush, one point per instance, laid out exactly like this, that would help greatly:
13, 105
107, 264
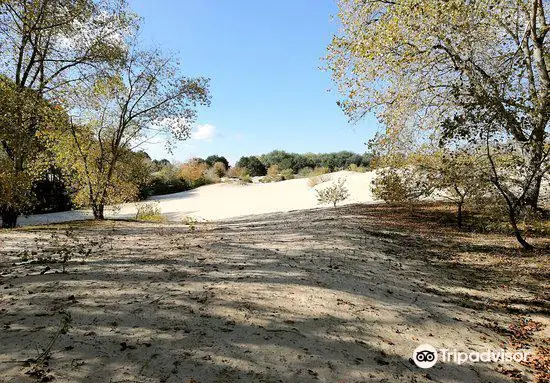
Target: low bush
333, 194
220, 169
287, 174
358, 169
319, 171
253, 166
238, 172
149, 211
195, 173
304, 172
268, 179
400, 185
316, 180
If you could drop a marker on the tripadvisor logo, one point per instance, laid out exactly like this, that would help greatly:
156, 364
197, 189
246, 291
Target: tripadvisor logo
426, 356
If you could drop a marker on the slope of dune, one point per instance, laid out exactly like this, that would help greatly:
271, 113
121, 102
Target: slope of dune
226, 200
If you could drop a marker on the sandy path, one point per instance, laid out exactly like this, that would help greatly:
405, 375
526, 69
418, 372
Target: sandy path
322, 295
223, 201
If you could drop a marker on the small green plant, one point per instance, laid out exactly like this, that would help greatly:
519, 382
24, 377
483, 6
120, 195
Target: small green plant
191, 222
38, 367
245, 179
149, 211
333, 194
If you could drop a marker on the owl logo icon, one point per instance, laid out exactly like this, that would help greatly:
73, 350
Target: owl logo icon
425, 356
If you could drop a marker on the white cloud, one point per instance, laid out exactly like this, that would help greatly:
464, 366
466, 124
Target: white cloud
204, 132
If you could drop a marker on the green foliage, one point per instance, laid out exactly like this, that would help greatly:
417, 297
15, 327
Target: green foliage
213, 159
297, 162
304, 172
453, 73
355, 168
51, 193
220, 169
149, 211
333, 194
194, 173
276, 175
166, 180
245, 179
98, 177
190, 222
36, 78
23, 156
253, 165
238, 172
287, 174
398, 185
320, 170
273, 175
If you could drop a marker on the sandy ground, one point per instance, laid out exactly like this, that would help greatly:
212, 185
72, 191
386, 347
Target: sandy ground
222, 201
322, 295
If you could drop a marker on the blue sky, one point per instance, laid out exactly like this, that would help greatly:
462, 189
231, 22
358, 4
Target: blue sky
263, 59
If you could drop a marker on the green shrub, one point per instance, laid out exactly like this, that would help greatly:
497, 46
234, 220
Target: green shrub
316, 180
333, 194
355, 168
245, 179
194, 173
237, 172
305, 172
319, 171
149, 211
273, 171
268, 179
220, 169
287, 174
191, 222
161, 185
165, 181
400, 185
253, 166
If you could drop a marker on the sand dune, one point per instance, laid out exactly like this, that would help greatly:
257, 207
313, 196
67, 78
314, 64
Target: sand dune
225, 200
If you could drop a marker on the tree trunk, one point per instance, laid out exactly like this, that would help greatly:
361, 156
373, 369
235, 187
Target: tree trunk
98, 209
9, 217
459, 214
517, 232
532, 195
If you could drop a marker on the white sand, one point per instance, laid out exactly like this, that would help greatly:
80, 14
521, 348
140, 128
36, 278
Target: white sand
222, 201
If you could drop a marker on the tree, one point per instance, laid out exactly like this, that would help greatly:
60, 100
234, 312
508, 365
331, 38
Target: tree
220, 169
47, 46
457, 177
333, 194
142, 94
211, 160
194, 172
22, 159
253, 166
480, 65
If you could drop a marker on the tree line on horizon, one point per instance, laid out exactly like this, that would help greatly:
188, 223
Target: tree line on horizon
54, 192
